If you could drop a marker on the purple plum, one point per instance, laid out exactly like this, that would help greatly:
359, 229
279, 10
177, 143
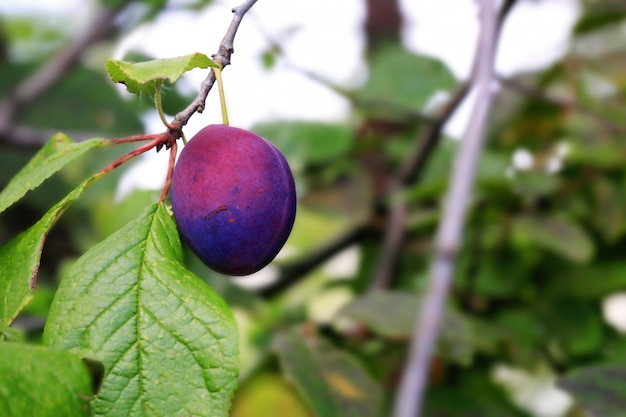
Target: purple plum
234, 199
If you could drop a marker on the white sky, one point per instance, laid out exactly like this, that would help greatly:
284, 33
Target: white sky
325, 39
330, 44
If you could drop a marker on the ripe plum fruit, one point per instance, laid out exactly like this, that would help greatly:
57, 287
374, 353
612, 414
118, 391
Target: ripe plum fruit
234, 199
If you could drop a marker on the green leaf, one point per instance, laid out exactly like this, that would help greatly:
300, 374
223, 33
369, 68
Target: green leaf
610, 200
598, 18
572, 325
592, 281
556, 234
387, 313
309, 142
268, 392
42, 382
142, 78
599, 389
392, 314
522, 330
456, 402
82, 100
19, 259
331, 381
401, 79
58, 152
168, 342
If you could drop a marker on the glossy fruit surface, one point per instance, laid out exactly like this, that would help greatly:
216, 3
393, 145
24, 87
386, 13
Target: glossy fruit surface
234, 199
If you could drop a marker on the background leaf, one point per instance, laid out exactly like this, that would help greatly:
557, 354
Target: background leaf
19, 259
71, 105
141, 78
57, 153
392, 314
400, 79
42, 382
599, 389
167, 341
331, 381
559, 235
271, 394
307, 142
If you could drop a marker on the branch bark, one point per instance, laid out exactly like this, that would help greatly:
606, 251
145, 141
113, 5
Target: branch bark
222, 58
414, 166
292, 273
430, 316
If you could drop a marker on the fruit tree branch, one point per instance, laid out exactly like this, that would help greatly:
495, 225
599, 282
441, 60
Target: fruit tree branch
415, 164
291, 273
221, 58
48, 74
411, 390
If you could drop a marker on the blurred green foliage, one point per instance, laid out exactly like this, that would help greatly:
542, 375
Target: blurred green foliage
543, 248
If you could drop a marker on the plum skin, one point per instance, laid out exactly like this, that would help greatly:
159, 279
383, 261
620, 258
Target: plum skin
234, 199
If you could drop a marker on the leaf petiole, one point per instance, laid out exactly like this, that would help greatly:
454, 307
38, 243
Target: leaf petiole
220, 86
159, 103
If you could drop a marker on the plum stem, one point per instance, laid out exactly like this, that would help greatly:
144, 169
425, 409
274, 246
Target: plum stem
220, 88
157, 140
159, 103
134, 138
170, 172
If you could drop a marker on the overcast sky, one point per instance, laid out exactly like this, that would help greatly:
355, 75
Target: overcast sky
323, 36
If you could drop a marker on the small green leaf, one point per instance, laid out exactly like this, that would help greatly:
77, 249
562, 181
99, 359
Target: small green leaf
610, 220
43, 382
54, 155
268, 391
83, 100
19, 259
401, 79
142, 78
556, 234
68, 105
458, 402
598, 389
575, 326
168, 342
331, 381
392, 314
309, 142
591, 281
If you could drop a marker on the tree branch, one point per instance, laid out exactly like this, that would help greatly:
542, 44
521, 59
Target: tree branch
392, 241
428, 323
221, 58
414, 166
290, 274
48, 74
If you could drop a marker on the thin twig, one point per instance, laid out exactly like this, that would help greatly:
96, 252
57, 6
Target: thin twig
221, 58
429, 138
430, 316
392, 241
426, 143
170, 171
291, 273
